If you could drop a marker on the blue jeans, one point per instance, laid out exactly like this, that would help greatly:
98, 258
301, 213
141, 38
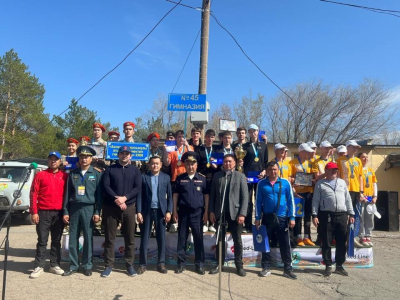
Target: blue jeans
156, 216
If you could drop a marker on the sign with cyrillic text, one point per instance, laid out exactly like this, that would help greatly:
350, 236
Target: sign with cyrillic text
139, 151
187, 102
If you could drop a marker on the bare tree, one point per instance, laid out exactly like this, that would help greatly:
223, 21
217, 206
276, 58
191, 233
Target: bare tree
250, 110
317, 112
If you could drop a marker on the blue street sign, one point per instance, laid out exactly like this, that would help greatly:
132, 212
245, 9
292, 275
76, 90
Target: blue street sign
140, 151
187, 102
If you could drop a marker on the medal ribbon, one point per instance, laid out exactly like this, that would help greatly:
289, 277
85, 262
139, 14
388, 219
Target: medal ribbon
304, 170
153, 154
255, 151
279, 166
351, 167
226, 152
180, 154
208, 155
366, 177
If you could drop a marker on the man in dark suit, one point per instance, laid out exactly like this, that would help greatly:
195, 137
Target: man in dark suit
154, 204
231, 186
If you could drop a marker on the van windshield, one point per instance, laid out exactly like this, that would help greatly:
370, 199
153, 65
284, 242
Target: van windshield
13, 174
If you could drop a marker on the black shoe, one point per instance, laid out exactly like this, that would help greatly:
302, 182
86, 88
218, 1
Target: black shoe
241, 272
200, 270
87, 272
214, 270
130, 270
141, 270
179, 270
162, 269
69, 272
340, 270
289, 274
328, 271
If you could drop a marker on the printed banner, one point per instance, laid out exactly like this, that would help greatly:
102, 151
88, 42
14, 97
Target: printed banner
303, 257
140, 151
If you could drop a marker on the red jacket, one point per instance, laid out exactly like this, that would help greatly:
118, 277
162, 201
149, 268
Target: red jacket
47, 191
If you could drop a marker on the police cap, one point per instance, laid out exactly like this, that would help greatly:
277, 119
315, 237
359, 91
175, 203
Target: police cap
85, 150
190, 156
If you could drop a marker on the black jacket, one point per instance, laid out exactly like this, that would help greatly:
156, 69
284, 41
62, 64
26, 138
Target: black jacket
249, 163
121, 181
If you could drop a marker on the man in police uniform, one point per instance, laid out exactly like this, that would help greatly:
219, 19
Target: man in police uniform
191, 196
82, 205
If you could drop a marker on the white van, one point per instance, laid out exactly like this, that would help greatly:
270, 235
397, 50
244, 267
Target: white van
12, 175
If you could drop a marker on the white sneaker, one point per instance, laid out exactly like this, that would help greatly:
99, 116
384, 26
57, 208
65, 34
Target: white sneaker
173, 228
212, 229
56, 270
205, 228
36, 273
357, 244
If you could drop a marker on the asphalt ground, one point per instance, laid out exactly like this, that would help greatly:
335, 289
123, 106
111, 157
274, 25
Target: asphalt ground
379, 282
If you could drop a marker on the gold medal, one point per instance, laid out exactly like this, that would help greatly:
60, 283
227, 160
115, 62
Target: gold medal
179, 163
367, 185
256, 159
352, 176
208, 165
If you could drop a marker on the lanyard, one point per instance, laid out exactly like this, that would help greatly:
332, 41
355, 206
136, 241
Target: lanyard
351, 166
208, 155
82, 177
366, 177
304, 170
255, 151
226, 152
153, 154
279, 166
180, 154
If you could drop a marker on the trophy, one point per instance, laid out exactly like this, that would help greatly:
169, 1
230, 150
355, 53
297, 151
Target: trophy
240, 154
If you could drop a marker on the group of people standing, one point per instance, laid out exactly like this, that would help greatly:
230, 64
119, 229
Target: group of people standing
187, 187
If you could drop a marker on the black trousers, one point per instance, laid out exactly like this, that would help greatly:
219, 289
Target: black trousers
307, 216
113, 215
248, 222
50, 221
332, 223
282, 234
193, 219
156, 216
354, 198
236, 233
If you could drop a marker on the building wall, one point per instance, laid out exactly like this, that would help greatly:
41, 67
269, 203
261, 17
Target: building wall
388, 180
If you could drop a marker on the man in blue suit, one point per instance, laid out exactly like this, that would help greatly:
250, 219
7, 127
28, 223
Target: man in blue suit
154, 204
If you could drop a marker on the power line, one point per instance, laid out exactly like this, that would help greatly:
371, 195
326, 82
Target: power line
269, 78
188, 6
113, 69
184, 65
377, 10
359, 6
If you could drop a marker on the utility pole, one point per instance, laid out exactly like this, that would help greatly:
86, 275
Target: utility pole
205, 30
